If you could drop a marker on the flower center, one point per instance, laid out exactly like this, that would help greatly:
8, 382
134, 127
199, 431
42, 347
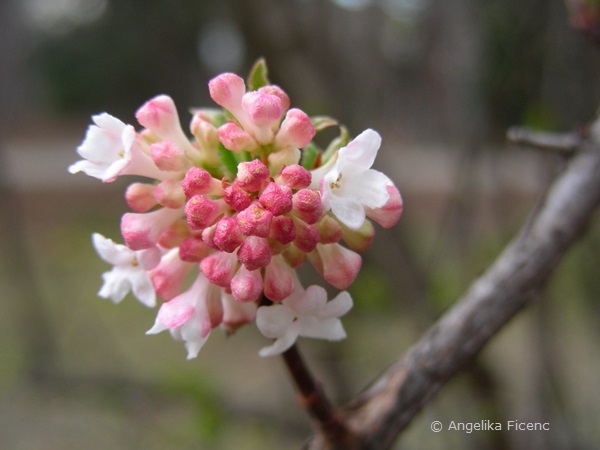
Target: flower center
336, 183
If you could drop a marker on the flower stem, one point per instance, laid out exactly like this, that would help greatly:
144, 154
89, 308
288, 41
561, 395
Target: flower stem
312, 397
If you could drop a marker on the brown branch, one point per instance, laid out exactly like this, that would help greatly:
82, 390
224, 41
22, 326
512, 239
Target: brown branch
559, 142
379, 414
312, 397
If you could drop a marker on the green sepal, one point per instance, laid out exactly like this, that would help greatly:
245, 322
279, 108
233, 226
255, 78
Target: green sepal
337, 143
259, 75
310, 154
229, 161
322, 122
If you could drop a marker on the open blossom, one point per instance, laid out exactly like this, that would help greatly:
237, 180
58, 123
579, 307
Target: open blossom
351, 185
304, 313
237, 207
129, 271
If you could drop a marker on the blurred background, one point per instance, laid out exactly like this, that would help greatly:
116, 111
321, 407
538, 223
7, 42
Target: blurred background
441, 80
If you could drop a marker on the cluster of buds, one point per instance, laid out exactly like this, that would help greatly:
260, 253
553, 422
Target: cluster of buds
225, 218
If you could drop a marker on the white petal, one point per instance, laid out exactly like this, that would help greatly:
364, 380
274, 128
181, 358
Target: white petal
274, 321
348, 211
157, 327
361, 151
337, 307
310, 303
115, 254
194, 346
142, 288
313, 327
369, 188
281, 344
116, 285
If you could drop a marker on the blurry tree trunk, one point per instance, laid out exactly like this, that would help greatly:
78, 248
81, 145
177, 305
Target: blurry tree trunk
379, 414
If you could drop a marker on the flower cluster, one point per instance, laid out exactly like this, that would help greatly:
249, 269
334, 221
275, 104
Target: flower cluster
225, 218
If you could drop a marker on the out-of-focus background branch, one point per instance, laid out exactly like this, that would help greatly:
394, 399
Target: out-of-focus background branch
440, 80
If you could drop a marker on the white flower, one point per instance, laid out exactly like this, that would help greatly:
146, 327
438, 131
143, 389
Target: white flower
129, 271
351, 185
191, 315
304, 313
109, 150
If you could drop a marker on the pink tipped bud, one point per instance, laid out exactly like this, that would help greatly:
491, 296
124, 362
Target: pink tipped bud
278, 92
255, 221
262, 108
202, 212
388, 215
330, 231
193, 250
361, 239
295, 176
168, 277
296, 130
284, 157
204, 131
236, 139
283, 229
251, 175
228, 235
236, 197
246, 286
208, 237
308, 206
139, 197
279, 279
338, 265
199, 181
227, 90
219, 268
307, 236
169, 193
159, 115
141, 231
276, 198
174, 235
168, 156
254, 253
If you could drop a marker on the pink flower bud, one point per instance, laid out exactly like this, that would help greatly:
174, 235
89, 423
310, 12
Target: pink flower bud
208, 237
254, 253
308, 206
141, 231
210, 310
168, 277
278, 92
199, 181
193, 249
228, 235
284, 157
159, 115
296, 130
276, 198
246, 286
139, 197
307, 236
219, 268
204, 131
295, 176
251, 175
236, 197
279, 279
201, 212
236, 139
264, 109
338, 265
255, 221
388, 215
227, 90
174, 234
168, 193
168, 156
283, 229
